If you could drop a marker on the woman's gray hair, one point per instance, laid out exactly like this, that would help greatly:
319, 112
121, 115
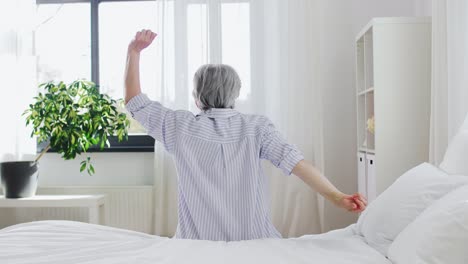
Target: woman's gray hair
216, 86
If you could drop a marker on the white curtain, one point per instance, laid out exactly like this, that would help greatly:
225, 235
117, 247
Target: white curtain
273, 45
17, 71
449, 73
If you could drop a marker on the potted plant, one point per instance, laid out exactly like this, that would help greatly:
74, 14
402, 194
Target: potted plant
70, 119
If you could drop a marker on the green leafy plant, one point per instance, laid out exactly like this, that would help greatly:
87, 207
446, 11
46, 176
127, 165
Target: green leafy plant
73, 117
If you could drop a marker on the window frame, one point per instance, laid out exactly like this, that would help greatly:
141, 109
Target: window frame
145, 143
135, 143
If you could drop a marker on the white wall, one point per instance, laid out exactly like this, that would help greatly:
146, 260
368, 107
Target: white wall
342, 21
114, 169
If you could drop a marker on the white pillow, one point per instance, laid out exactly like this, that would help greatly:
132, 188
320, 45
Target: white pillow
456, 157
402, 202
438, 235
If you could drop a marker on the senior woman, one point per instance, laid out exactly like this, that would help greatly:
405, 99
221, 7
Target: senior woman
221, 185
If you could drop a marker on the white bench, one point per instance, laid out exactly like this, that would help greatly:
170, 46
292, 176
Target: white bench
94, 204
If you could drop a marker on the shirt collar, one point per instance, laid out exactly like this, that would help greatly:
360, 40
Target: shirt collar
219, 113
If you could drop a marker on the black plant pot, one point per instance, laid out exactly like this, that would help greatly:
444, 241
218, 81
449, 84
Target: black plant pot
19, 178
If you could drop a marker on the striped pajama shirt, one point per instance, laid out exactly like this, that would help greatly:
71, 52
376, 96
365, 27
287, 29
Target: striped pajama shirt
222, 190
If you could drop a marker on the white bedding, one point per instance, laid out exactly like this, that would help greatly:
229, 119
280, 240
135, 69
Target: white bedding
73, 242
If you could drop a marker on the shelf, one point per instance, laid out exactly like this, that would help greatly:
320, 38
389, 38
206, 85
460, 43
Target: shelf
383, 64
366, 150
391, 20
370, 90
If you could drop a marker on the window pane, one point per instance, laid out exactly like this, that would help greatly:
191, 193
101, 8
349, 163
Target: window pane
63, 42
235, 22
118, 24
166, 54
197, 39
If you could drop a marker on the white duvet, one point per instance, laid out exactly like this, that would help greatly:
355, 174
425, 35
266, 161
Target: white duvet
73, 242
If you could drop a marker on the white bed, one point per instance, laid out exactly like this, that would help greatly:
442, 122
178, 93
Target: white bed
73, 242
393, 229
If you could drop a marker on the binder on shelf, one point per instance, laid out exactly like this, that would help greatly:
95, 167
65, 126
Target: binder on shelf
371, 181
362, 186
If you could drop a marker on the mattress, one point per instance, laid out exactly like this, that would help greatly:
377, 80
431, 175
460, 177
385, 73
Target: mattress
74, 242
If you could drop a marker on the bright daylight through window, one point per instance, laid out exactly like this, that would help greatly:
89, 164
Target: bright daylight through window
90, 40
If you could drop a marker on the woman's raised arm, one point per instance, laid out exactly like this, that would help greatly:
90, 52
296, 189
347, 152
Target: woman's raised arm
132, 72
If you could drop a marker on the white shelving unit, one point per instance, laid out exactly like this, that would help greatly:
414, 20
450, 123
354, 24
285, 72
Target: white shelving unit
393, 83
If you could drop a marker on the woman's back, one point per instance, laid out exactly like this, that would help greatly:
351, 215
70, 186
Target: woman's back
222, 189
223, 194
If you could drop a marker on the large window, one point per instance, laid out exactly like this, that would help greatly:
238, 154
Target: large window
62, 45
89, 38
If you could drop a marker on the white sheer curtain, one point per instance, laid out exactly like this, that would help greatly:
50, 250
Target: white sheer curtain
449, 73
17, 71
273, 45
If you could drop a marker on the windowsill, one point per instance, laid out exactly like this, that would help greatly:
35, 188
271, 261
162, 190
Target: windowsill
135, 143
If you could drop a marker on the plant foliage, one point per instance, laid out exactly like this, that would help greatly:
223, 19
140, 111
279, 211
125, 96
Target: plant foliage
74, 117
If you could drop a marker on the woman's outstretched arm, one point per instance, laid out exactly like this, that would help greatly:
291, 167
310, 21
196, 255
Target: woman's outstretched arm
132, 72
159, 121
314, 178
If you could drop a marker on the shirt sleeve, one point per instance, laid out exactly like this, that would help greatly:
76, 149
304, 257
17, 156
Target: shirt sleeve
159, 121
279, 152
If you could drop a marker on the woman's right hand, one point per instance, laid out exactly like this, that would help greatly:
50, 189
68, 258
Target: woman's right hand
353, 203
142, 40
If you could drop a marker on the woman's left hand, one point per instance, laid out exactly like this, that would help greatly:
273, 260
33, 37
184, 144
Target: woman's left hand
353, 203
